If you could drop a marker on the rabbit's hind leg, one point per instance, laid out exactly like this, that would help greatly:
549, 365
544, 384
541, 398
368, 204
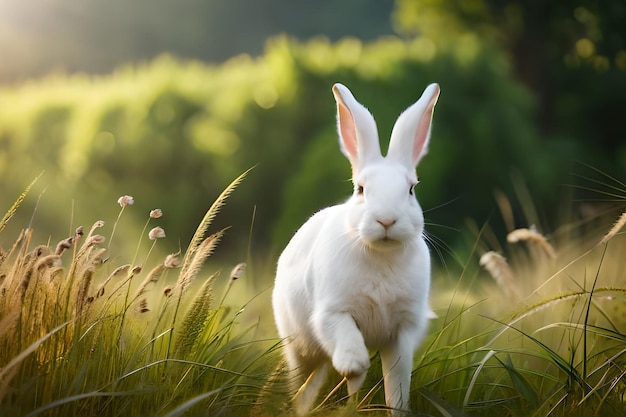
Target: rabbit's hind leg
306, 395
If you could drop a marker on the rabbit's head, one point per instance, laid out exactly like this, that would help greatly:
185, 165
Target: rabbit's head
383, 211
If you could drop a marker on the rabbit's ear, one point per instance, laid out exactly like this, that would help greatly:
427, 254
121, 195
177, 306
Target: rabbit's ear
411, 133
358, 135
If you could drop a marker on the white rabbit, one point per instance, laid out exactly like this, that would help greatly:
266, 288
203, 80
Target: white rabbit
356, 276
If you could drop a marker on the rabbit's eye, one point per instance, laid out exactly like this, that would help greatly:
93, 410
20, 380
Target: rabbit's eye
411, 188
359, 190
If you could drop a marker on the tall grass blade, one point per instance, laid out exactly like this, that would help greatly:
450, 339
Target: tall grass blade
521, 384
588, 310
444, 407
546, 351
78, 397
30, 349
480, 367
182, 409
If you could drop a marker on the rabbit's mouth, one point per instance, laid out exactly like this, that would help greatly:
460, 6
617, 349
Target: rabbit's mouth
384, 243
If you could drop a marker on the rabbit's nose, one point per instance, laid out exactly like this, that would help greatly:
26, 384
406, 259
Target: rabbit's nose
386, 223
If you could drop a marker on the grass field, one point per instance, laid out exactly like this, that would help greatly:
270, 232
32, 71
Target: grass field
85, 331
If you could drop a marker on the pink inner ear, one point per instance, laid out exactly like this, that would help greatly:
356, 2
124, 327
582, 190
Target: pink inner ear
423, 130
348, 130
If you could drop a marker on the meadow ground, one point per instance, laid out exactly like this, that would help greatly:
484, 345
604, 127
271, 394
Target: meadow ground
532, 327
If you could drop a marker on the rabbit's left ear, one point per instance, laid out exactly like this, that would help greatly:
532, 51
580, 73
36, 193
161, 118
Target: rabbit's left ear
411, 133
358, 135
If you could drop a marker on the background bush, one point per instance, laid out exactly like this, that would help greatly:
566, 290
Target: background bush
184, 129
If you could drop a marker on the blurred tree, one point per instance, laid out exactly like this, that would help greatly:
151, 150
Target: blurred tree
572, 55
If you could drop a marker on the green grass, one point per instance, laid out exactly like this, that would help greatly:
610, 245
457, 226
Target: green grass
82, 333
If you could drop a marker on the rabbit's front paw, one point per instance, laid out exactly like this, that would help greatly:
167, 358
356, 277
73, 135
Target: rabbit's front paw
351, 360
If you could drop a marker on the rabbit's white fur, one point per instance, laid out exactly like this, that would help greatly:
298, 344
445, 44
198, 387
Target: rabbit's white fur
356, 276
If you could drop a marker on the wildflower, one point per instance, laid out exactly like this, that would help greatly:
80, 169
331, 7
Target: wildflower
125, 200
156, 213
172, 261
156, 233
238, 271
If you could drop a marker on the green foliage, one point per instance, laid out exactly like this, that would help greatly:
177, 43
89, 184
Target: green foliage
182, 128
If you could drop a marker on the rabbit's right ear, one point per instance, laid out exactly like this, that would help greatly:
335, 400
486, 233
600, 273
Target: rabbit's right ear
358, 135
411, 133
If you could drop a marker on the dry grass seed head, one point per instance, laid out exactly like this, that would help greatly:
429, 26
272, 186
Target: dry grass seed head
152, 277
63, 245
89, 259
8, 322
96, 225
129, 276
119, 271
28, 266
47, 262
18, 244
506, 210
204, 250
207, 220
51, 274
68, 242
238, 271
534, 237
8, 278
13, 209
500, 271
90, 256
619, 224
82, 297
87, 266
49, 268
195, 319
